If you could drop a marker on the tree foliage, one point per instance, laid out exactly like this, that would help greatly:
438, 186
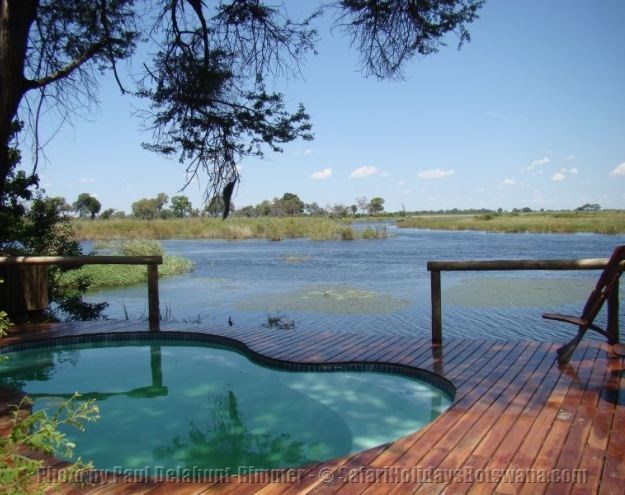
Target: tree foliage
33, 224
376, 205
207, 84
589, 207
181, 206
388, 33
87, 206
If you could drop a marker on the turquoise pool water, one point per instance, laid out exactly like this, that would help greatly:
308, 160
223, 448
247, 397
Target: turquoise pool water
189, 405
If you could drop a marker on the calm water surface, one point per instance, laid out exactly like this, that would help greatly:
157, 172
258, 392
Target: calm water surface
379, 286
185, 405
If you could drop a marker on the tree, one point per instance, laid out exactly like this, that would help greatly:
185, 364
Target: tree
181, 206
363, 203
264, 209
376, 205
339, 210
289, 204
247, 211
107, 214
145, 208
313, 209
86, 205
160, 201
589, 207
216, 206
34, 225
205, 85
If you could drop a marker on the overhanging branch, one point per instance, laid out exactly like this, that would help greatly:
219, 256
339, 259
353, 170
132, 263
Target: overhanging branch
68, 69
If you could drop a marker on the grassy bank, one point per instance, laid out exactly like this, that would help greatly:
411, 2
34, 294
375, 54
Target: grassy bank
275, 229
601, 222
103, 276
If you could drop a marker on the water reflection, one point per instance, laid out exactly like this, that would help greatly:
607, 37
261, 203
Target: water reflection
227, 441
43, 369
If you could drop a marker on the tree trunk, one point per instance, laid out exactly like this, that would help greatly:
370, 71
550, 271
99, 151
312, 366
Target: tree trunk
16, 18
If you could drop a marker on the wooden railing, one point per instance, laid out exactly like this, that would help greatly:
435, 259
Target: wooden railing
41, 287
436, 267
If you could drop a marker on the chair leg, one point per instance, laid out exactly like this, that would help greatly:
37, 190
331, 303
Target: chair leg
566, 351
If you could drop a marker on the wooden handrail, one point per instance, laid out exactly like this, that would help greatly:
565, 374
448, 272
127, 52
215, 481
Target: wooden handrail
493, 265
81, 260
436, 267
152, 263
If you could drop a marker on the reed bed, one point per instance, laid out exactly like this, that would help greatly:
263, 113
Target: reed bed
103, 276
603, 222
272, 228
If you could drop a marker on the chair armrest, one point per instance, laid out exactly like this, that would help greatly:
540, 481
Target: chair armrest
575, 320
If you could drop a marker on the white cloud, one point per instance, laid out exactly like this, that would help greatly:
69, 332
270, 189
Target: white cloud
361, 172
86, 180
509, 182
541, 162
563, 173
436, 173
401, 183
619, 170
321, 174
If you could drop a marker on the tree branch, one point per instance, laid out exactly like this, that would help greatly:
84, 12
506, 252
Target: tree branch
68, 69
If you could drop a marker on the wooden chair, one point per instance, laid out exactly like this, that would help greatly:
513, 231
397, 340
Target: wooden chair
608, 282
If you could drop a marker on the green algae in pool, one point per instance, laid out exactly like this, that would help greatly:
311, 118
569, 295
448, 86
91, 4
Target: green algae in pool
188, 405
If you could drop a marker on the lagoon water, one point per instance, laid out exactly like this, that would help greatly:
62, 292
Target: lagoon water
375, 286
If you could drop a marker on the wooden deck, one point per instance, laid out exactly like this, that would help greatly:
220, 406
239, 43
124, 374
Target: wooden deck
519, 423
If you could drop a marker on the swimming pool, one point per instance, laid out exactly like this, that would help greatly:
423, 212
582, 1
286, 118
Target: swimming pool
184, 404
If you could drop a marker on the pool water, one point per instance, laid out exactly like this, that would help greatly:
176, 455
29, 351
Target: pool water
187, 405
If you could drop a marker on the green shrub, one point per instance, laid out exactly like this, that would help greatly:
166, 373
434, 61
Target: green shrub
40, 432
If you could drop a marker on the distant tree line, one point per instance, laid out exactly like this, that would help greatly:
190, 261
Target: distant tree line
291, 205
163, 207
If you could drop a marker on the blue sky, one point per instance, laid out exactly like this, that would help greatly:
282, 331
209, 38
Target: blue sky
529, 113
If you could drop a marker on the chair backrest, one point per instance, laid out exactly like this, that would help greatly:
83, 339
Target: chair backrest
608, 279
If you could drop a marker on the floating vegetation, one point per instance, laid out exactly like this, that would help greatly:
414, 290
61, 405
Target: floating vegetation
295, 258
279, 321
376, 233
518, 292
328, 299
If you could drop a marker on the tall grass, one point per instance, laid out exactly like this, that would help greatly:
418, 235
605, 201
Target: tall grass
273, 228
103, 276
603, 222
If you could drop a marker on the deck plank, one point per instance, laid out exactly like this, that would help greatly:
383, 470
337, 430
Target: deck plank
515, 411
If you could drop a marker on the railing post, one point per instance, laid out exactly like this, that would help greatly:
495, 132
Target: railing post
437, 314
612, 329
154, 316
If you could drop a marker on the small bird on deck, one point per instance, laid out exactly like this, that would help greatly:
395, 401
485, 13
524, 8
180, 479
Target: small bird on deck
230, 322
